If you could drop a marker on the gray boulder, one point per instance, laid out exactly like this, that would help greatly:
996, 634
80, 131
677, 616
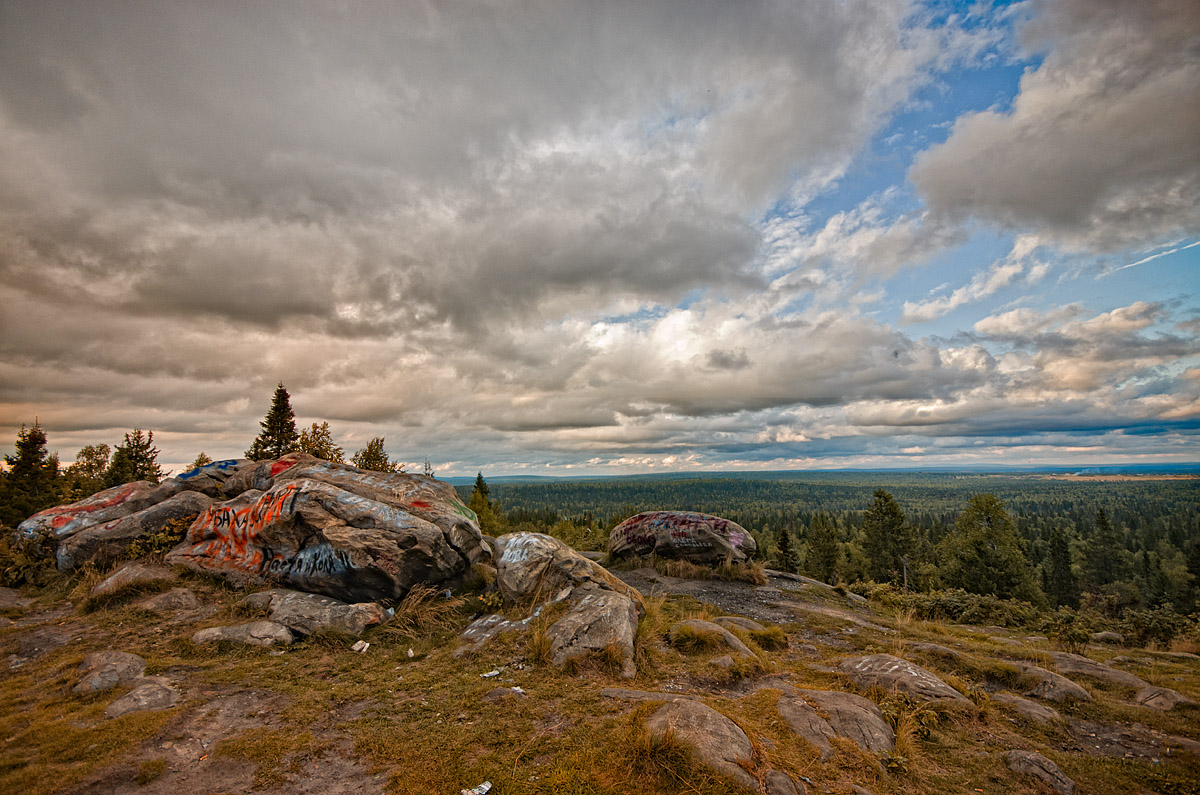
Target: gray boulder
602, 611
696, 537
598, 620
1053, 687
718, 742
334, 529
820, 715
151, 693
213, 479
104, 670
894, 673
1038, 713
1107, 637
105, 543
1162, 698
1030, 763
739, 622
307, 613
254, 633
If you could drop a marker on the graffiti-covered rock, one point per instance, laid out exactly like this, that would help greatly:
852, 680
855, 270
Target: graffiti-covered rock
63, 521
696, 537
334, 529
213, 478
106, 543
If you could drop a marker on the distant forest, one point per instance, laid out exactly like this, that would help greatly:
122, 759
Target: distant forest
1112, 544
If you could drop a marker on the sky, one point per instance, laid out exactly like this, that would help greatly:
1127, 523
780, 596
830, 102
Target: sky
580, 238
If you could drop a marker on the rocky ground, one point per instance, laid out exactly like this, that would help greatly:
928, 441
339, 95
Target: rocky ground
783, 687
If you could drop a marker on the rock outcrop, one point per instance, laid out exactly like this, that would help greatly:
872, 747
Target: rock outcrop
105, 543
1030, 763
718, 742
306, 613
334, 529
104, 670
696, 537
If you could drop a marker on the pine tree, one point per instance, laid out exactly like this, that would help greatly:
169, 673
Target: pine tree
1061, 586
375, 458
983, 555
887, 539
318, 441
32, 481
202, 460
136, 459
278, 436
490, 521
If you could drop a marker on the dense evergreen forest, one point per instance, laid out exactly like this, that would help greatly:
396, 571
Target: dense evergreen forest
1111, 543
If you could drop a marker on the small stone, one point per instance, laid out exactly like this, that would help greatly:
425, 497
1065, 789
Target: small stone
1162, 698
254, 633
1034, 764
172, 601
501, 693
109, 669
777, 782
1107, 637
360, 646
153, 692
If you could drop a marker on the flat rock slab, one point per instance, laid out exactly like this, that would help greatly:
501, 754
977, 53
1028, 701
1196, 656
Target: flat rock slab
708, 629
1052, 686
1074, 664
104, 670
625, 694
718, 742
175, 600
1030, 763
821, 715
696, 537
254, 633
307, 613
1162, 698
151, 693
1115, 638
894, 673
1130, 741
484, 628
131, 575
937, 650
1038, 713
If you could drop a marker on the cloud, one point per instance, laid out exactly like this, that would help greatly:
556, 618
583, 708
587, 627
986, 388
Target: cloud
983, 284
1099, 151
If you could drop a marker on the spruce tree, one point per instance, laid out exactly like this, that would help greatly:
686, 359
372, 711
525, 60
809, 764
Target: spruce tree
202, 460
490, 521
983, 555
887, 539
278, 436
32, 481
823, 549
789, 558
136, 459
1104, 554
1061, 586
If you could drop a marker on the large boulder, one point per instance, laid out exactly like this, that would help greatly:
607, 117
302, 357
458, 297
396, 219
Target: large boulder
63, 521
894, 673
1077, 665
213, 478
334, 529
602, 612
696, 537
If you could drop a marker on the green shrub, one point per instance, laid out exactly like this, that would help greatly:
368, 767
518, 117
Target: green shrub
955, 605
24, 561
1158, 626
162, 541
